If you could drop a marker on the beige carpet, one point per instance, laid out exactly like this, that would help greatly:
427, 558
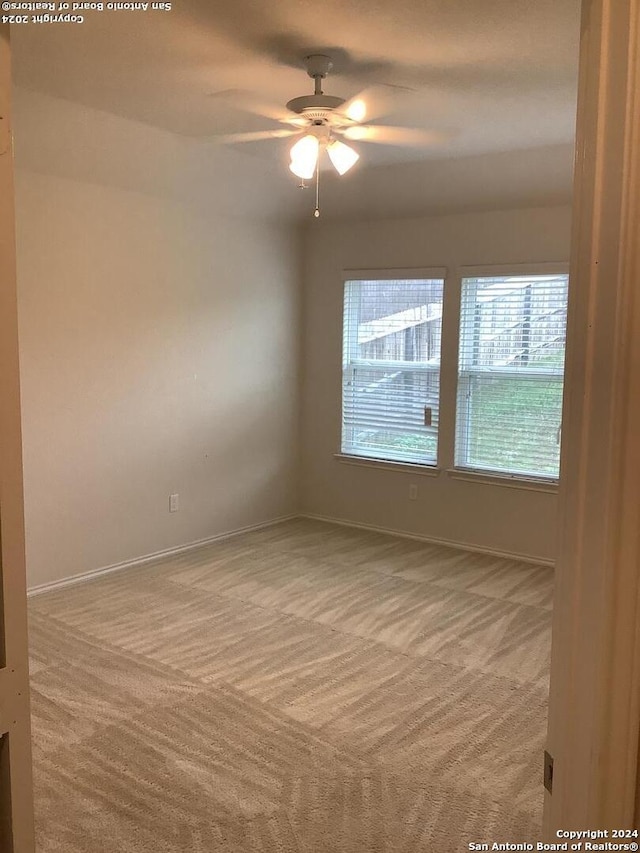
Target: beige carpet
306, 687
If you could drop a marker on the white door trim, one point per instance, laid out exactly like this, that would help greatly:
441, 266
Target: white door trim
594, 715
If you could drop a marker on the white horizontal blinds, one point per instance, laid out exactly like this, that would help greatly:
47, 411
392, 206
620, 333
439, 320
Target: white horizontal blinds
391, 369
512, 342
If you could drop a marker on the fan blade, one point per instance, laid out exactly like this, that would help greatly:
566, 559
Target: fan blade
409, 136
248, 102
373, 102
251, 136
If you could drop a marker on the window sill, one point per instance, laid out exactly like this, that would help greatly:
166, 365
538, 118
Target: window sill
388, 464
529, 484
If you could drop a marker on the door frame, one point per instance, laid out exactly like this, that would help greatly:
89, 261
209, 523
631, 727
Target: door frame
16, 796
594, 712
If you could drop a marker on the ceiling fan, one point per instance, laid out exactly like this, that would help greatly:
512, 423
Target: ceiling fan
321, 123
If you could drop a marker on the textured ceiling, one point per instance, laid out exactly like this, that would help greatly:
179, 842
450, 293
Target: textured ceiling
495, 75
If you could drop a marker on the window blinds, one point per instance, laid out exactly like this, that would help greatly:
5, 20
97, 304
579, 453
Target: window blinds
391, 369
510, 379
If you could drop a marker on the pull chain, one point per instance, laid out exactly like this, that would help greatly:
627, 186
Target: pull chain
316, 212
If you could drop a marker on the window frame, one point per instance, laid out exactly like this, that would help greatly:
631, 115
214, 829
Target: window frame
389, 274
493, 475
445, 464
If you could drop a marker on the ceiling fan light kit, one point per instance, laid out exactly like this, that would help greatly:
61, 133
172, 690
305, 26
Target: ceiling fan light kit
304, 156
342, 156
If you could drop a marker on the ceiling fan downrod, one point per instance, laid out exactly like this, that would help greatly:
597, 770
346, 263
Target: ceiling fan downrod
318, 66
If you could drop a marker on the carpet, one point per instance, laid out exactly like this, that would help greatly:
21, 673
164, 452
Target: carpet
304, 688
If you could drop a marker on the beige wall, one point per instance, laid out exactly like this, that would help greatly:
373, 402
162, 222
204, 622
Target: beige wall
471, 513
159, 350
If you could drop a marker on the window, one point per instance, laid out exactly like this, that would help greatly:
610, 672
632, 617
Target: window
506, 410
391, 368
511, 362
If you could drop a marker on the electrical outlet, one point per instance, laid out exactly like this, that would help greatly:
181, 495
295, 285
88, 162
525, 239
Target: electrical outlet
413, 492
174, 503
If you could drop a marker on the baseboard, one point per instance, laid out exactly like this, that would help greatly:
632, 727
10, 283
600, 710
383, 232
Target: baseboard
433, 540
147, 558
168, 552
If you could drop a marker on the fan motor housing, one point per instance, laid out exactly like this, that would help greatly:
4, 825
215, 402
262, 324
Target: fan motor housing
323, 104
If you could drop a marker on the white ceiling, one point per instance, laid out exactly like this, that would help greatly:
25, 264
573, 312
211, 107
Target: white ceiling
497, 75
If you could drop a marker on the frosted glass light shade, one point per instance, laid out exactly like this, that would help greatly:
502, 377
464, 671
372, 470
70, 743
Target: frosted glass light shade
304, 156
357, 111
342, 156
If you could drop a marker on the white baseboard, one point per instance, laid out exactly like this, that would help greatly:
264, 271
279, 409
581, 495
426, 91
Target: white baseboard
168, 552
433, 540
147, 558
